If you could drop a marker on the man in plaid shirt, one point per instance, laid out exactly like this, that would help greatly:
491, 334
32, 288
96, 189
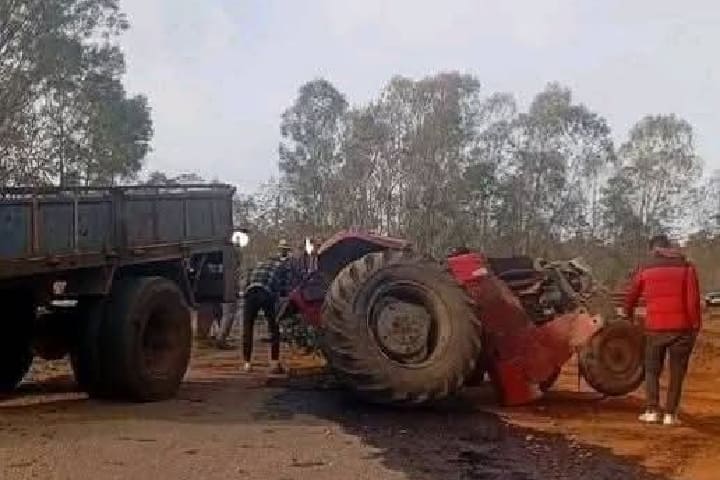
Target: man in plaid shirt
266, 285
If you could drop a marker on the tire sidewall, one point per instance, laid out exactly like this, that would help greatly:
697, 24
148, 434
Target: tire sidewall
597, 376
159, 297
457, 348
122, 336
442, 313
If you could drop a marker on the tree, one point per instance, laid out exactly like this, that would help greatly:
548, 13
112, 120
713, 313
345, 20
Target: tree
360, 181
436, 161
159, 178
661, 164
542, 172
312, 132
707, 204
64, 115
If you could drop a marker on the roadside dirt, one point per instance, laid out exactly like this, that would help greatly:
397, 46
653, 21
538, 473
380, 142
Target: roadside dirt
691, 451
225, 424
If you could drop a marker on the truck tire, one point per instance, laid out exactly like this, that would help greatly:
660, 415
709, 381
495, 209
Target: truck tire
612, 361
16, 341
397, 329
144, 340
84, 355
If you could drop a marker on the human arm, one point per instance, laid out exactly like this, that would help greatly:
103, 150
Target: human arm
634, 292
692, 297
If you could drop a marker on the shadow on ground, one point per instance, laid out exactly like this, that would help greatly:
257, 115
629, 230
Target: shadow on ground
455, 441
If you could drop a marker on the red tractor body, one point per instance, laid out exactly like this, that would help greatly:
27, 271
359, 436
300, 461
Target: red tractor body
401, 328
520, 355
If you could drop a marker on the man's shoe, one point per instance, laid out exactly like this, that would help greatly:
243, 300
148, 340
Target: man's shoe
670, 419
649, 417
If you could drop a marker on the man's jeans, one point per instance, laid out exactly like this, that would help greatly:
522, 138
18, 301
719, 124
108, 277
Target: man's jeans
677, 346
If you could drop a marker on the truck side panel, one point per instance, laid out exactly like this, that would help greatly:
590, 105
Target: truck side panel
200, 219
171, 222
15, 229
54, 230
95, 226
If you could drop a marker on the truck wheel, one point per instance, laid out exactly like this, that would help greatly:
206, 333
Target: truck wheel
145, 340
16, 341
398, 329
612, 361
84, 354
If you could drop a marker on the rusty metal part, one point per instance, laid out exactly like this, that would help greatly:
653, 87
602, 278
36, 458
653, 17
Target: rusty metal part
402, 329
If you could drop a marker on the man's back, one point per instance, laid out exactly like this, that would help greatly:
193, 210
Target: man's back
276, 275
669, 284
268, 275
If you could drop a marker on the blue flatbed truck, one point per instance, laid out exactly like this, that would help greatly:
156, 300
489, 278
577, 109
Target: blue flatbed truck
108, 276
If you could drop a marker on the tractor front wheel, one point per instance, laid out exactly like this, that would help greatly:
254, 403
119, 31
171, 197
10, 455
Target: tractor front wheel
612, 361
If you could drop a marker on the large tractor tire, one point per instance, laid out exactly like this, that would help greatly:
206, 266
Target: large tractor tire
612, 361
136, 345
398, 329
16, 340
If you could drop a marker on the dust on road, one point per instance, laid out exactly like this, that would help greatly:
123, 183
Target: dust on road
230, 425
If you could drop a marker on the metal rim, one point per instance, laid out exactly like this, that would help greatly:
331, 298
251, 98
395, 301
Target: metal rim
619, 356
403, 323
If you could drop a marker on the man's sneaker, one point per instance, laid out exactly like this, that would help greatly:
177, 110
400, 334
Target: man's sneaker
649, 417
247, 368
670, 419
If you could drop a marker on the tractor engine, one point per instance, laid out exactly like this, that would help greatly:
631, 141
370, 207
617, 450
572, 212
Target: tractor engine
545, 289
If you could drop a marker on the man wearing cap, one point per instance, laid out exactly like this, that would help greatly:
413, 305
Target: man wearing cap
266, 285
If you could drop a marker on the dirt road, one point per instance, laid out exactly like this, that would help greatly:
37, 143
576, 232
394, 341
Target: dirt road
230, 425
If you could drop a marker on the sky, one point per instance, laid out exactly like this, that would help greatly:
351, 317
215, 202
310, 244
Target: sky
219, 73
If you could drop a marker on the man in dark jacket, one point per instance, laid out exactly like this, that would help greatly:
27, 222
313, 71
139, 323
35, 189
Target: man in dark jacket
669, 284
266, 285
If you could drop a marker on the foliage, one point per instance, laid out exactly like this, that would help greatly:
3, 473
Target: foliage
64, 114
296, 332
439, 162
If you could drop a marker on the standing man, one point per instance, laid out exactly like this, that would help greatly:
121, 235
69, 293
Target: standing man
669, 284
230, 311
267, 284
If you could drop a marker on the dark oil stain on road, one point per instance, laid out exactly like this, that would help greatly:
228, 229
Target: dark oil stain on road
450, 442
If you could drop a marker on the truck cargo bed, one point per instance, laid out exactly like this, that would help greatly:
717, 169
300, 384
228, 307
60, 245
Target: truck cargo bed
45, 230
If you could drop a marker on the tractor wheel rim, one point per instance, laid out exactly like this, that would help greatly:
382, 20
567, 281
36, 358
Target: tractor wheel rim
619, 356
403, 327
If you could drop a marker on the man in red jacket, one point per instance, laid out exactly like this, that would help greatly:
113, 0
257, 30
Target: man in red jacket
669, 284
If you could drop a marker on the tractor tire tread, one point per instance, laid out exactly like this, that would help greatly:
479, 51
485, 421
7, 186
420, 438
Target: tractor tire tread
366, 373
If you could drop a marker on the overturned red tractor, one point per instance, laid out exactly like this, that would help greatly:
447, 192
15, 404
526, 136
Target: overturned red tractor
400, 328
